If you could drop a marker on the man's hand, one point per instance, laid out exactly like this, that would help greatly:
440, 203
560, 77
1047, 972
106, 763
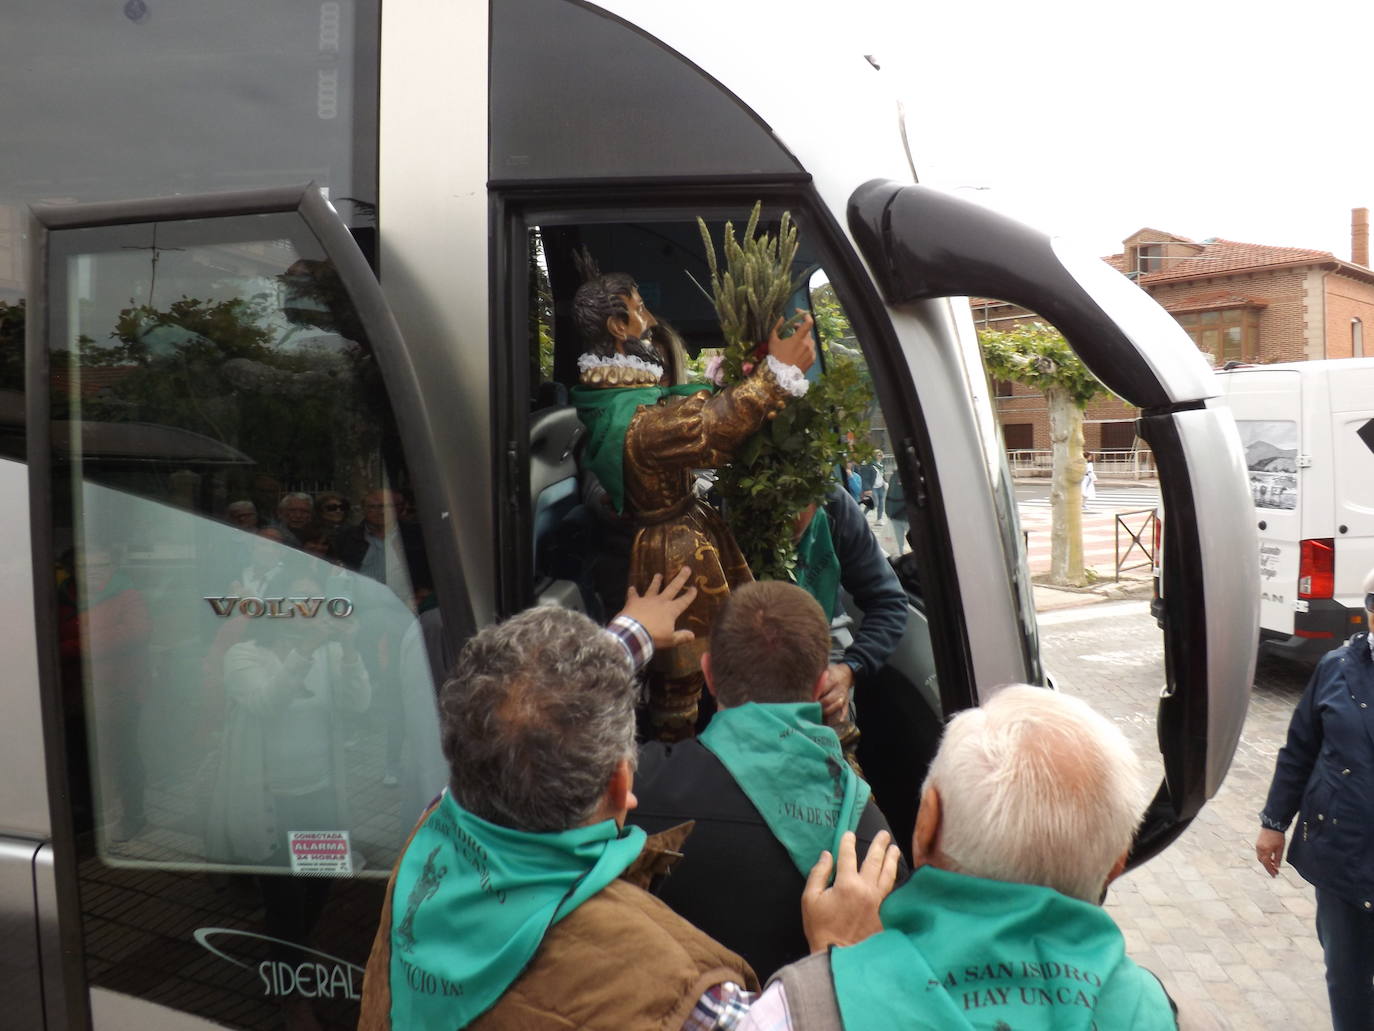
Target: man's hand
839, 685
798, 349
658, 609
847, 911
1269, 850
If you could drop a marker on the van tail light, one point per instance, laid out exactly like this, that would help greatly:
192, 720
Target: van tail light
1158, 542
1317, 568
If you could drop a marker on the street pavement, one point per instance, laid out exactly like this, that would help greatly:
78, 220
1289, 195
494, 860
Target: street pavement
1235, 949
1104, 535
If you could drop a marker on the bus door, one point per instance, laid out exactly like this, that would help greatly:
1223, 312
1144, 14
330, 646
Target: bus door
922, 245
238, 564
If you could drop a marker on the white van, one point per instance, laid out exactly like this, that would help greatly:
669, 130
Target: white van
259, 255
1308, 433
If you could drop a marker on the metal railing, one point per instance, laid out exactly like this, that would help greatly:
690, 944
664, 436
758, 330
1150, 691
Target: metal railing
1142, 538
1121, 465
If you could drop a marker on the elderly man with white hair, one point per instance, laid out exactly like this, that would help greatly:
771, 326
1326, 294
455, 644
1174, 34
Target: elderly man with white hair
1027, 813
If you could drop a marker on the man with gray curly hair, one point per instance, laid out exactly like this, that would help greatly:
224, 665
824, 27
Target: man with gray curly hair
519, 900
1027, 814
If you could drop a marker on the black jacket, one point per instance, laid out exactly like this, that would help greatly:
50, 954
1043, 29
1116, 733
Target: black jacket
867, 576
1325, 775
350, 548
735, 881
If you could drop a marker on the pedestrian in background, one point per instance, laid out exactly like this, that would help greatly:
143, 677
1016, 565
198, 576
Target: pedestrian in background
1325, 775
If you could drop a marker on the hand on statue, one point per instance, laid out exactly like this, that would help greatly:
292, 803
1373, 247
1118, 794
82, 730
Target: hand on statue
847, 912
659, 607
1269, 850
798, 349
839, 685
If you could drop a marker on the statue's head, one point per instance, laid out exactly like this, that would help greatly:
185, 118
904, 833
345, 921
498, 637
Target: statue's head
612, 318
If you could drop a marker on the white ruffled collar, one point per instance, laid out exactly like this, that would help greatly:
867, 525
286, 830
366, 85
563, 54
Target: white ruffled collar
589, 361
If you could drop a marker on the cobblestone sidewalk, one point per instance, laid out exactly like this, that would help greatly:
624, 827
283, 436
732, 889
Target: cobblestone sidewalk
1237, 950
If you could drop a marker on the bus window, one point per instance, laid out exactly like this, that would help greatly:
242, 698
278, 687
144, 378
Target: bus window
242, 589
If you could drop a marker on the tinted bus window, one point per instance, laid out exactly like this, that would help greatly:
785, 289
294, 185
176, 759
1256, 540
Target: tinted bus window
249, 709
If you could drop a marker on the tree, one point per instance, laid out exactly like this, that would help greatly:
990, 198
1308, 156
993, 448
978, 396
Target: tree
1037, 356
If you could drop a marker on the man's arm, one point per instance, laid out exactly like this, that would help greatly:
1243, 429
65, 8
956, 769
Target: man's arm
649, 620
868, 577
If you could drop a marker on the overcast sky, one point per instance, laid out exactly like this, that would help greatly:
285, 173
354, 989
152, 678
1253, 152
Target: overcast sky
1248, 121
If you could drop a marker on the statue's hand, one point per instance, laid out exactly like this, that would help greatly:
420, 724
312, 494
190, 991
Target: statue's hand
798, 349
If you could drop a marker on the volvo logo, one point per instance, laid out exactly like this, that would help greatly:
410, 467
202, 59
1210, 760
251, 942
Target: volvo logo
281, 608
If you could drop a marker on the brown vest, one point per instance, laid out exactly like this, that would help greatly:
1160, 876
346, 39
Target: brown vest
621, 961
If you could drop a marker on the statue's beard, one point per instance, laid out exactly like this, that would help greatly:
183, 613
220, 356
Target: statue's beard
642, 349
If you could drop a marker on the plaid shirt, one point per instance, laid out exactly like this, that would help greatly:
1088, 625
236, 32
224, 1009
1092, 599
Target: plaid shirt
722, 1008
630, 634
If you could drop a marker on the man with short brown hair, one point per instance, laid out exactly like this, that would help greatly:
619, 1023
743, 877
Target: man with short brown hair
766, 782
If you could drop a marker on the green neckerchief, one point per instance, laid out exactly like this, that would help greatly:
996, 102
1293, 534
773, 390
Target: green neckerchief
473, 901
818, 567
607, 413
967, 952
792, 768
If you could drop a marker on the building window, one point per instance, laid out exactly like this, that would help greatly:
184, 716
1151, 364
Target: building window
1002, 388
1228, 335
1019, 436
1118, 436
1149, 258
1356, 338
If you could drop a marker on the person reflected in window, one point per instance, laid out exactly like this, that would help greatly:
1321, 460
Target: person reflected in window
243, 514
105, 628
332, 510
386, 549
390, 552
295, 512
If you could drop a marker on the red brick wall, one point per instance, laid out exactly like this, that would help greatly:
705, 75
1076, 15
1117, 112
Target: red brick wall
1282, 325
1347, 299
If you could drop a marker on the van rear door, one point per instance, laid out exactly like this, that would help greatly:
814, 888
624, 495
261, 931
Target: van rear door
1267, 405
1352, 437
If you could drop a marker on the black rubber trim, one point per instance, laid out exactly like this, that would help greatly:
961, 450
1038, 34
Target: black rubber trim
38, 412
1183, 709
922, 243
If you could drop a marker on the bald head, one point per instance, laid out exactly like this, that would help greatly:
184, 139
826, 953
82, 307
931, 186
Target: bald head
1035, 787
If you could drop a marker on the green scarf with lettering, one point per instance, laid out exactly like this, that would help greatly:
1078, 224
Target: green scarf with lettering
792, 768
818, 567
968, 952
607, 413
473, 901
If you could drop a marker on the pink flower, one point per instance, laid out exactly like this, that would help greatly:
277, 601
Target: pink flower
747, 368
713, 371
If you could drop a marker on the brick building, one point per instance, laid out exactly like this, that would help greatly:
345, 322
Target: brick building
1238, 301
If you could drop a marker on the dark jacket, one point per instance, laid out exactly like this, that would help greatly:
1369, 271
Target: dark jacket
1325, 776
867, 576
735, 880
350, 548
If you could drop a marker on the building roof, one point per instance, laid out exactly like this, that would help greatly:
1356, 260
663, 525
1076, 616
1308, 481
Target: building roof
1210, 301
1218, 257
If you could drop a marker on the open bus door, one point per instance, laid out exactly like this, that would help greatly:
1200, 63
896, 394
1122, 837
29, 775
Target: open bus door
922, 244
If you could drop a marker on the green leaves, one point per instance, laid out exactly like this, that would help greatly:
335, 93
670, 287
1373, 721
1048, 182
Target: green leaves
1037, 356
791, 462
